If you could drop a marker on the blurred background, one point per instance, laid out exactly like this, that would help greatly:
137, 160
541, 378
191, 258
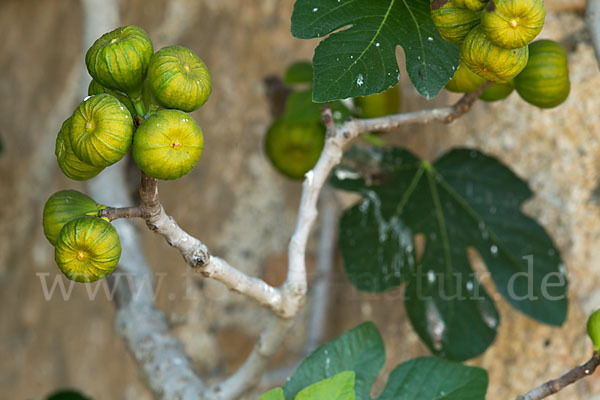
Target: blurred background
245, 211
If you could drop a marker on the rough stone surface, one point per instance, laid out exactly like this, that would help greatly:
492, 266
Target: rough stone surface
244, 211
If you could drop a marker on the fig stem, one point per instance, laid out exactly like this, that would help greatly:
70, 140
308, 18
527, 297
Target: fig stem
139, 107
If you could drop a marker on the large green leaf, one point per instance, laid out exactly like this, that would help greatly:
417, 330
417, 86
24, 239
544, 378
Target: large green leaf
338, 387
361, 59
360, 350
428, 378
465, 199
354, 360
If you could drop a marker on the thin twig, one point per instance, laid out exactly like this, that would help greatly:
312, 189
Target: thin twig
320, 293
113, 213
555, 385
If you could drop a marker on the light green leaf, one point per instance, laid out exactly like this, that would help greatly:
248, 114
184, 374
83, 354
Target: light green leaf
273, 394
338, 387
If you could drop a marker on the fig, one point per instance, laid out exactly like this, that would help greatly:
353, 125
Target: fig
179, 79
168, 144
69, 163
87, 249
101, 130
593, 329
513, 23
545, 80
63, 207
490, 61
498, 91
453, 22
294, 148
379, 104
96, 88
464, 80
119, 59
475, 5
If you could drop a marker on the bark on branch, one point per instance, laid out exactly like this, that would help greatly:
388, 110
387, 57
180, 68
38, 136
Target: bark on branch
555, 385
592, 17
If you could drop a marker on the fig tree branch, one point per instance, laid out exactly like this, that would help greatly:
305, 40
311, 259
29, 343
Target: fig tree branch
195, 253
354, 127
287, 300
555, 385
592, 17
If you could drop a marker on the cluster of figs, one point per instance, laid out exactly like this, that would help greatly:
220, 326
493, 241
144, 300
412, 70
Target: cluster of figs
138, 101
496, 39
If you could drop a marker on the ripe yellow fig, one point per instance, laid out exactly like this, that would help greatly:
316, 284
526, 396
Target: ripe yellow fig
513, 23
490, 61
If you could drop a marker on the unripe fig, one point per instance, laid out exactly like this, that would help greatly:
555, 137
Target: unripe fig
475, 5
593, 329
87, 249
379, 104
464, 80
119, 59
96, 88
513, 23
63, 207
101, 130
68, 162
497, 91
453, 22
179, 79
294, 148
545, 80
167, 144
490, 61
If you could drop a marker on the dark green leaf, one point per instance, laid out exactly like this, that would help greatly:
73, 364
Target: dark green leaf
338, 387
360, 350
273, 394
428, 378
361, 59
465, 199
299, 72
